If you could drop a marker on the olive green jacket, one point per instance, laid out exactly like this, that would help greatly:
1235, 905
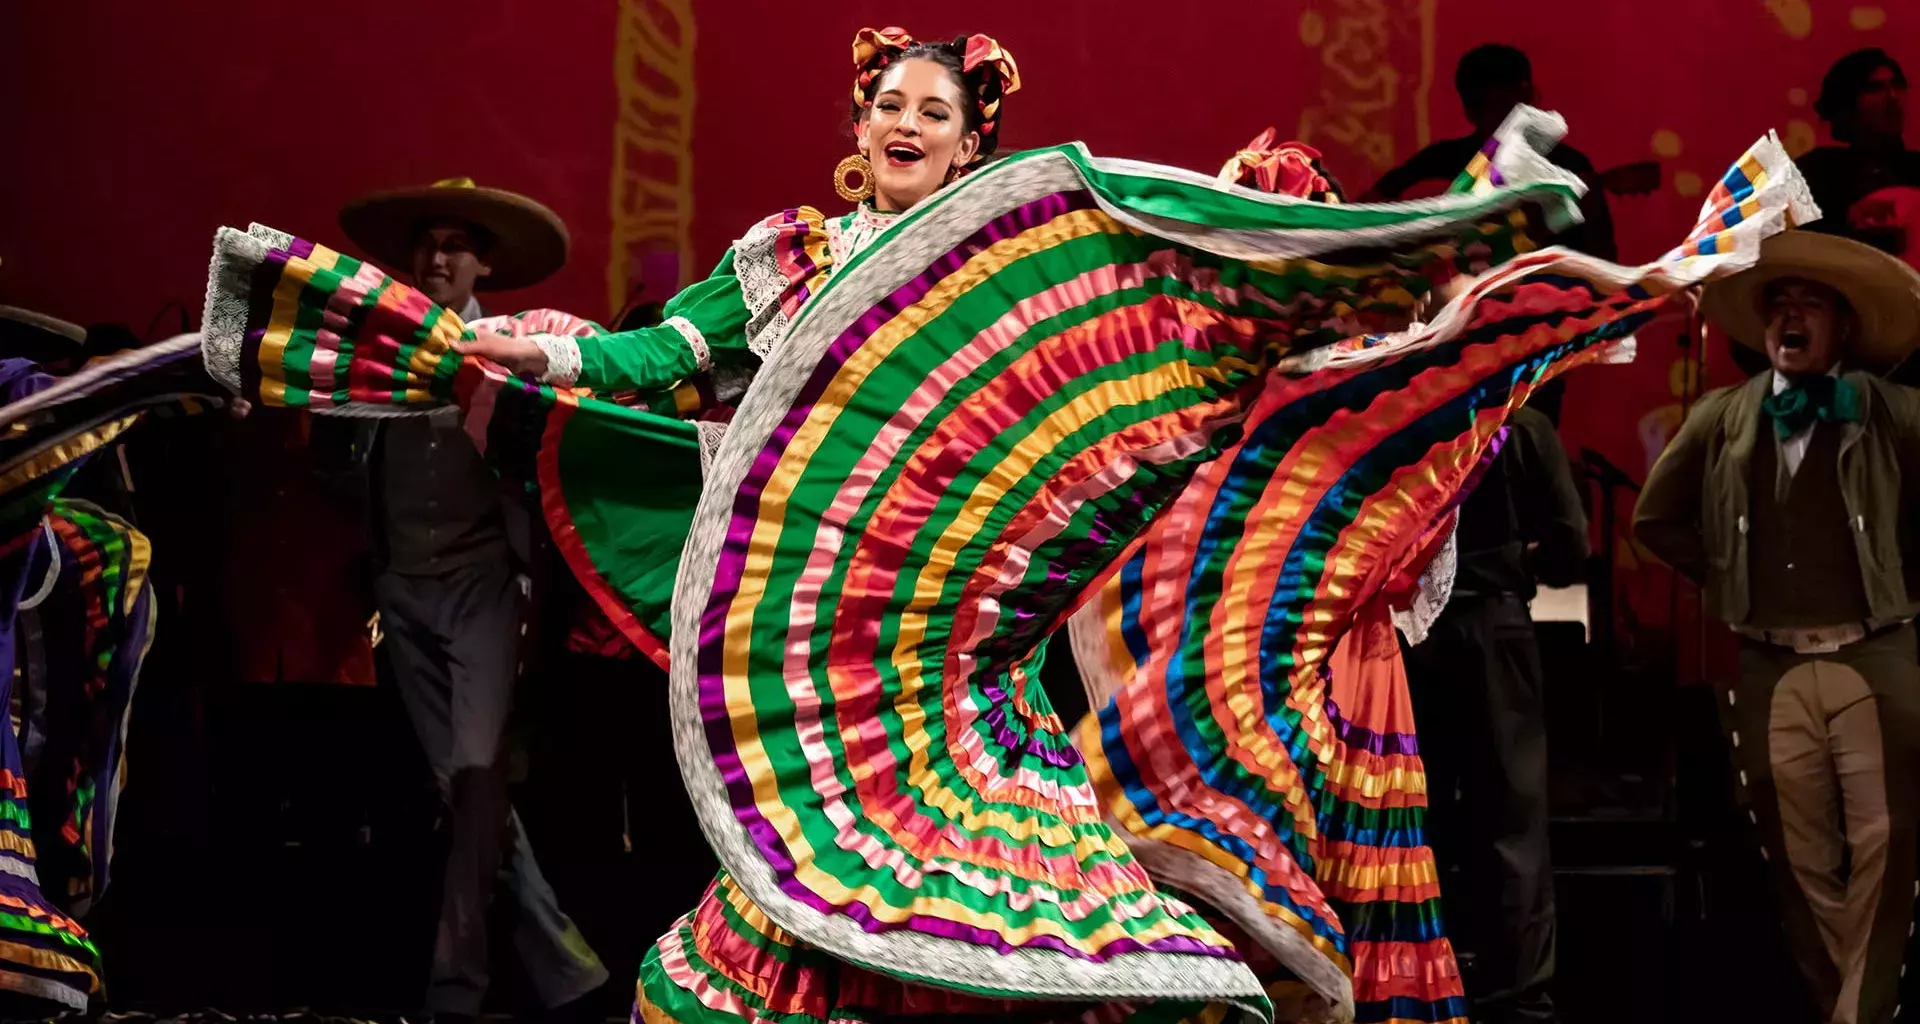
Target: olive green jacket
1693, 512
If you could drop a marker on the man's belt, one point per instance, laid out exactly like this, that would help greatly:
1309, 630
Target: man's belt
1818, 640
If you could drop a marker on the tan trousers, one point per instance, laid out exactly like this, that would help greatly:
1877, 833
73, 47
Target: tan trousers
1828, 753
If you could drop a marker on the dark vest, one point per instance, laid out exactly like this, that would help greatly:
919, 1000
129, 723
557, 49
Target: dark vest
438, 502
1801, 561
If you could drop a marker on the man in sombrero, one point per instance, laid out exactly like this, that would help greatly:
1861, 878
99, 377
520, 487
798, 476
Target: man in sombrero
449, 592
1789, 499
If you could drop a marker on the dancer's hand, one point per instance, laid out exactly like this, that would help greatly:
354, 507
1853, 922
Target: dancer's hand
516, 354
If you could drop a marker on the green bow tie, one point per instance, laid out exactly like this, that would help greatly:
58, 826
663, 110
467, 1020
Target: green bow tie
1822, 399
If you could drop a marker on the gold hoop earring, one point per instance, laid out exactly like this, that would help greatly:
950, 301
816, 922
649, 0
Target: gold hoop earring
954, 173
855, 165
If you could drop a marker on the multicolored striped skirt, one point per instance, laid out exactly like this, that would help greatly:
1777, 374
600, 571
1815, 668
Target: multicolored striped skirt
1066, 383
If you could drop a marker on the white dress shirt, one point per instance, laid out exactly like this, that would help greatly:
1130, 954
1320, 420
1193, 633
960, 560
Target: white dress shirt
1794, 448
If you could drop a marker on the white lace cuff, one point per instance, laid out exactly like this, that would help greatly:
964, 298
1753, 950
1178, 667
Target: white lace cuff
702, 354
563, 359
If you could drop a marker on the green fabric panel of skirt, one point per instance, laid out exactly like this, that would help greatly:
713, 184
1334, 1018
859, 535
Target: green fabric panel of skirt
632, 523
771, 701
1150, 191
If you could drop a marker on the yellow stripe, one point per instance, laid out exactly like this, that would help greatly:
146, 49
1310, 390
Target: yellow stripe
1379, 876
1522, 242
46, 960
1015, 467
751, 916
1354, 778
1123, 810
293, 281
426, 357
13, 842
648, 1012
140, 555
423, 362
765, 538
767, 529
1239, 678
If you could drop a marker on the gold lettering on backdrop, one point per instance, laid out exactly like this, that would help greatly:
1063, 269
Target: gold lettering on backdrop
652, 145
1362, 108
1423, 93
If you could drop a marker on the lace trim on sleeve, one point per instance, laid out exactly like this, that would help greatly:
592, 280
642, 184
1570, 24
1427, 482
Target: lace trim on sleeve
761, 287
702, 354
1436, 588
779, 264
563, 359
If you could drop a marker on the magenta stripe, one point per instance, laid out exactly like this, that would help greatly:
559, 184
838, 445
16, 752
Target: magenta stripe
990, 939
731, 569
732, 559
795, 249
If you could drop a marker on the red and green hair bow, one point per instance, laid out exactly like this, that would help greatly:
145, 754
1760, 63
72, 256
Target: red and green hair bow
989, 68
1282, 168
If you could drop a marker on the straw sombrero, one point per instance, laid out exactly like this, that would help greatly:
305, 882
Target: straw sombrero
1883, 291
530, 241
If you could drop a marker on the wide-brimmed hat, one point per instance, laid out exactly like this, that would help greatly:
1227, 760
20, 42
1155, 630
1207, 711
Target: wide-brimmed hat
1883, 291
529, 241
25, 334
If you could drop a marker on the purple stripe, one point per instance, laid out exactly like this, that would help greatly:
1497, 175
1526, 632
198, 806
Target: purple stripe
733, 553
262, 283
1380, 744
1004, 735
732, 561
732, 566
807, 266
1479, 470
990, 939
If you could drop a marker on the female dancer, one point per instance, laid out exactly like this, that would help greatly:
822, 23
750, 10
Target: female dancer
82, 573
945, 445
924, 114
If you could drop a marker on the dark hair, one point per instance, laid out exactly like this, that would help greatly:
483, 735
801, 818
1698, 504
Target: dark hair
1846, 80
980, 87
1334, 192
1488, 67
483, 240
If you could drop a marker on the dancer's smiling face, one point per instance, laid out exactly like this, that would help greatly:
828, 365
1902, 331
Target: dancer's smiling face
449, 261
917, 132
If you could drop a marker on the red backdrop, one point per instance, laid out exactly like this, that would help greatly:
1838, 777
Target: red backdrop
136, 128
